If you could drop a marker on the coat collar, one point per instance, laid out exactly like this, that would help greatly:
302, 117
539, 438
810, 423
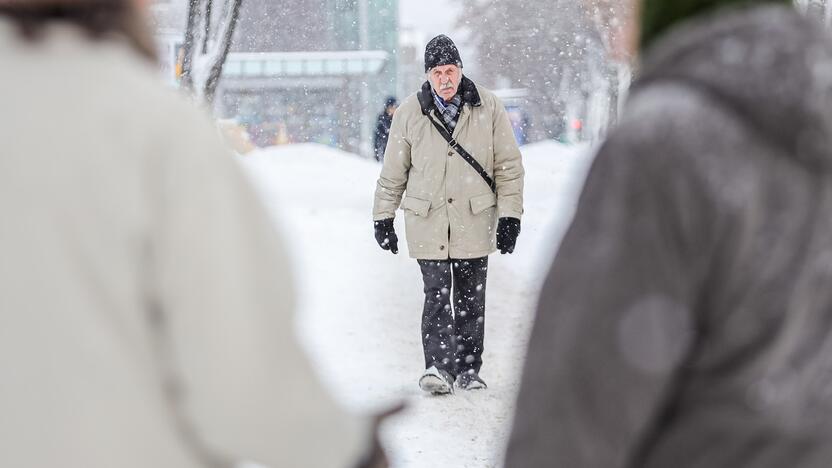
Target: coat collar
470, 95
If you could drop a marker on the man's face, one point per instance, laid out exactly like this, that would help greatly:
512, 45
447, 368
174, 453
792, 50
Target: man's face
445, 80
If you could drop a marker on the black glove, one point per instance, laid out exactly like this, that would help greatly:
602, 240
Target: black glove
386, 235
507, 231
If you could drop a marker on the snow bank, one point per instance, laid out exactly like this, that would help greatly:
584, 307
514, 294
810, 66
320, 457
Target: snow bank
360, 307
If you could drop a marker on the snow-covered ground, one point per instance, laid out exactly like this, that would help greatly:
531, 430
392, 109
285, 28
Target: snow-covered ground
360, 307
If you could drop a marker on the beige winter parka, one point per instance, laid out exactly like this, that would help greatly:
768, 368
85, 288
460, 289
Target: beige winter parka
450, 211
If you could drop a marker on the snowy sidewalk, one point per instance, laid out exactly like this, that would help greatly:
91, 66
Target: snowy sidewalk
360, 307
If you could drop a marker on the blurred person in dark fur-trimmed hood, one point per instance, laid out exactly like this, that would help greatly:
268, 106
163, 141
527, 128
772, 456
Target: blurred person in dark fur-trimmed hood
687, 318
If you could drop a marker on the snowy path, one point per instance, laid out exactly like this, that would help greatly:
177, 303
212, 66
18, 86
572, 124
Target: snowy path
360, 306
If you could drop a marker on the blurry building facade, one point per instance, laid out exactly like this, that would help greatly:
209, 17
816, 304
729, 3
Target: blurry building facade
311, 71
302, 70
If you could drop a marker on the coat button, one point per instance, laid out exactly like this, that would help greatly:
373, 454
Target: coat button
450, 153
450, 200
441, 247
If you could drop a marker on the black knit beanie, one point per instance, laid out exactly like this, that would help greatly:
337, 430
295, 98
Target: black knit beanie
441, 50
658, 16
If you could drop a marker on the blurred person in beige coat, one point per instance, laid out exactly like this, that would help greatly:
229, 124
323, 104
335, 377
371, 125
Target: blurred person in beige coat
145, 301
455, 190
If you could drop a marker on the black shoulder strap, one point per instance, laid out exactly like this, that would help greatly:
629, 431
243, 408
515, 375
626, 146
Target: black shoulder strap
465, 154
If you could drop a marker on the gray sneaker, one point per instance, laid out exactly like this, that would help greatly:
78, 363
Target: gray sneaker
470, 381
436, 381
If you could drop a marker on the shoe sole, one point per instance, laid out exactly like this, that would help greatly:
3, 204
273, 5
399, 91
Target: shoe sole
474, 386
435, 385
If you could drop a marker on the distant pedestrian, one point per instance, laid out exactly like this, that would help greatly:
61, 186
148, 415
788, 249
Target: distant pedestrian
385, 119
687, 319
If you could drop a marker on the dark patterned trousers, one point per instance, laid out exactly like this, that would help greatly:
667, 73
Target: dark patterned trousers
453, 331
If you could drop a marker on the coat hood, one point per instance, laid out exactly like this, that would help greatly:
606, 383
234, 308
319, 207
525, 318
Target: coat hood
769, 66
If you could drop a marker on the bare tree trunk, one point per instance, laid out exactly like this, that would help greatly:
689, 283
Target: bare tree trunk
225, 44
609, 18
188, 46
207, 44
615, 88
209, 7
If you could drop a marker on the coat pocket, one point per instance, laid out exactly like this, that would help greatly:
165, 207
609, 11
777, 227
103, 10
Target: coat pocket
416, 205
482, 202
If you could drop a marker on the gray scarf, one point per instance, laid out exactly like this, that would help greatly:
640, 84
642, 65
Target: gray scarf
449, 110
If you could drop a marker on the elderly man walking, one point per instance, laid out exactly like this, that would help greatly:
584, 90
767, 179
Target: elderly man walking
452, 155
